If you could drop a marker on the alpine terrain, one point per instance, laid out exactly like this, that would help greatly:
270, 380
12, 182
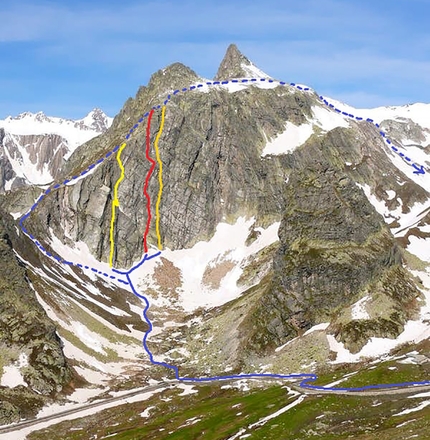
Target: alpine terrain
239, 226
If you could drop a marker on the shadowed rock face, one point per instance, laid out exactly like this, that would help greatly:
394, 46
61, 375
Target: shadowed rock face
25, 330
333, 246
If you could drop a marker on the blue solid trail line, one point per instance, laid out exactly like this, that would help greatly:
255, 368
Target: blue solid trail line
307, 377
145, 258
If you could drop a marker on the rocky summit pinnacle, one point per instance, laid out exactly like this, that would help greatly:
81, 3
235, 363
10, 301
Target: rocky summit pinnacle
176, 75
237, 65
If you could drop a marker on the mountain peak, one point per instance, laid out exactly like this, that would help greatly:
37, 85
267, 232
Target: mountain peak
237, 65
174, 76
96, 120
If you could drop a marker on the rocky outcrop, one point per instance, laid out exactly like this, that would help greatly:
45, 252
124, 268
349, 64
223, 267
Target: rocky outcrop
6, 171
406, 130
236, 65
334, 248
25, 330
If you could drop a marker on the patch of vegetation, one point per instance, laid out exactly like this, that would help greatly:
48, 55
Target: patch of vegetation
413, 262
381, 374
96, 326
215, 414
8, 356
111, 355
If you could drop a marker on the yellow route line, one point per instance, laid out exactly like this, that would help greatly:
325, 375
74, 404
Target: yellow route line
160, 179
115, 203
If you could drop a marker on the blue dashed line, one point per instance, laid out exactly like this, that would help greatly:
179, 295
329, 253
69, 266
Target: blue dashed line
419, 169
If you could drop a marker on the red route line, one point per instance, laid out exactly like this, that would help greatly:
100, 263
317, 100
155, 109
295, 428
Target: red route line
145, 188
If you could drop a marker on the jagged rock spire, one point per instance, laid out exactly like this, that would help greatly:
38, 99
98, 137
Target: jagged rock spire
237, 65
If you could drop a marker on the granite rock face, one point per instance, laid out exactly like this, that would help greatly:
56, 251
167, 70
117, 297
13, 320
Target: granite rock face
211, 150
213, 170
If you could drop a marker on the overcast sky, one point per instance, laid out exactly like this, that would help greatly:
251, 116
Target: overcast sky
67, 57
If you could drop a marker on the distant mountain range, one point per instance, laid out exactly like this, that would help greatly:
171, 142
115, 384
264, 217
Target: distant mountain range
33, 147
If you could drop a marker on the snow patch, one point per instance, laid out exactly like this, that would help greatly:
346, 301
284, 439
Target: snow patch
289, 140
419, 247
145, 414
187, 389
295, 135
322, 326
328, 119
12, 376
252, 71
227, 244
358, 310
421, 406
